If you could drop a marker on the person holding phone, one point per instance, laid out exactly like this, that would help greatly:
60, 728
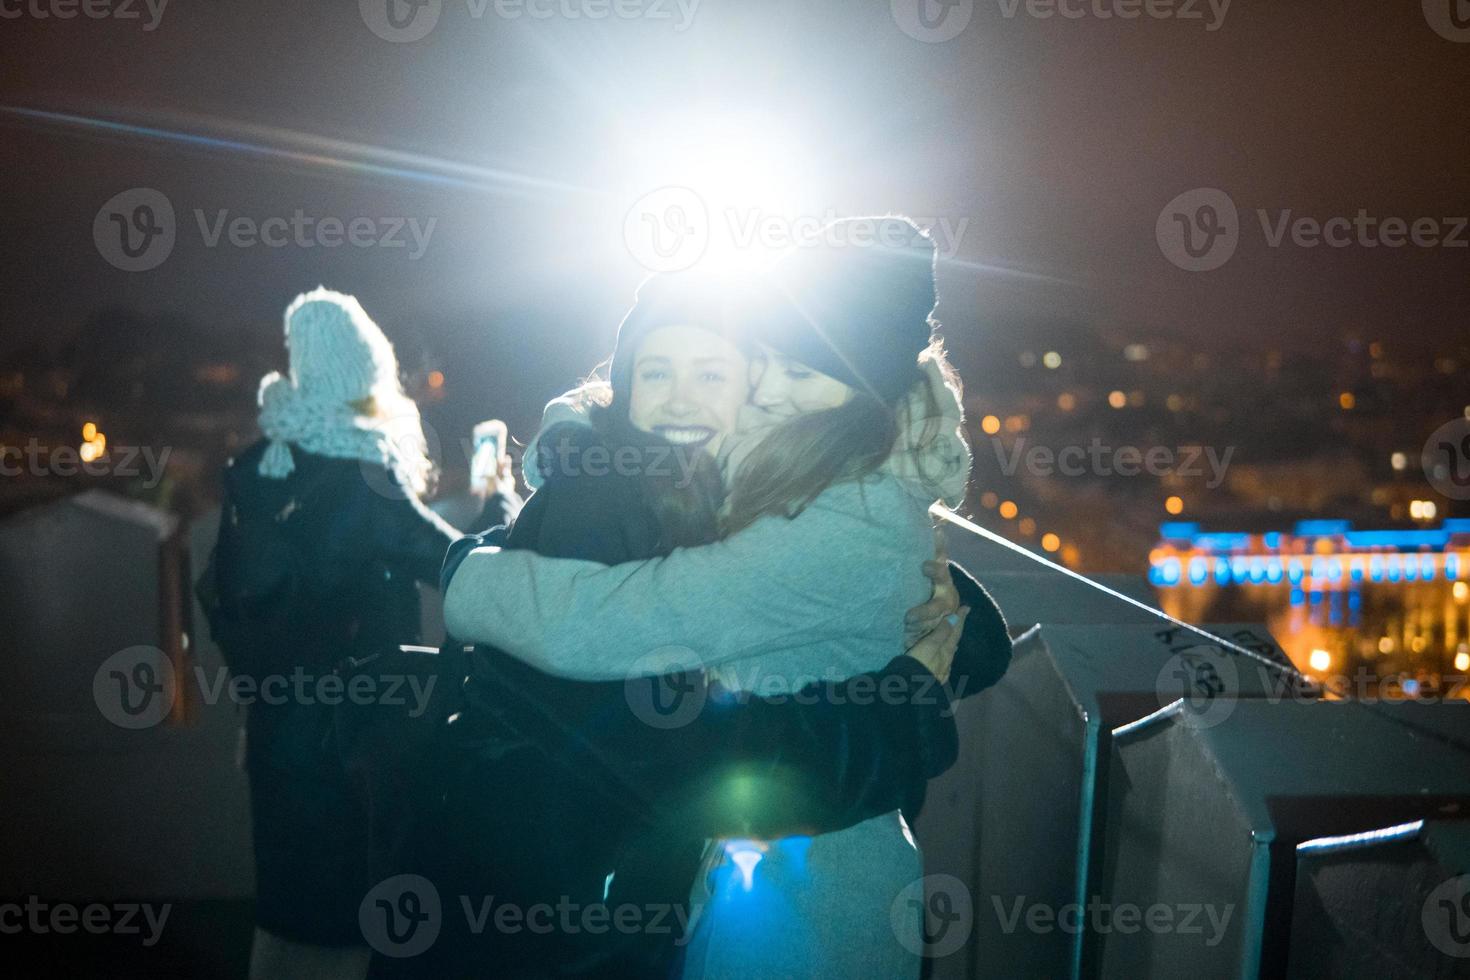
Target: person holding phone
323, 537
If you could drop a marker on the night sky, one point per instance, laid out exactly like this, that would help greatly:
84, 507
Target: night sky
1056, 141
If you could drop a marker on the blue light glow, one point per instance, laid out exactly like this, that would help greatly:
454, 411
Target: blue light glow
1232, 541
1169, 571
1321, 528
1387, 555
1398, 539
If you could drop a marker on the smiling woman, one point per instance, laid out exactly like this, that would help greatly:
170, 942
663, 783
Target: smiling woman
689, 384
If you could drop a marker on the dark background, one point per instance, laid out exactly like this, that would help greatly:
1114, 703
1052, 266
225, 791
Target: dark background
1057, 140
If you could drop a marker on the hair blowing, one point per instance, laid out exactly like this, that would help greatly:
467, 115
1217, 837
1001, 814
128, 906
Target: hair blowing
805, 455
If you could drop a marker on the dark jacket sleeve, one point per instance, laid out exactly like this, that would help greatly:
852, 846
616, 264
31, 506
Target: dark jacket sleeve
498, 510
832, 756
984, 651
407, 536
828, 757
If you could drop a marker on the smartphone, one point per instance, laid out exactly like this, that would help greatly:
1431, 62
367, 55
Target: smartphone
489, 438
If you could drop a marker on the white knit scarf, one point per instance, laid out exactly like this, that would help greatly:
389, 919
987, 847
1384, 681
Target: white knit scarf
328, 427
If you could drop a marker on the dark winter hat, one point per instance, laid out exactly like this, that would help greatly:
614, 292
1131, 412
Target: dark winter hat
666, 299
855, 304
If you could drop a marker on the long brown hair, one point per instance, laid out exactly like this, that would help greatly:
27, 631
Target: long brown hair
805, 455
681, 494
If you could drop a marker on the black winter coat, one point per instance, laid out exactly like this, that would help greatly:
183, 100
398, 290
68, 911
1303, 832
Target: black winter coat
355, 545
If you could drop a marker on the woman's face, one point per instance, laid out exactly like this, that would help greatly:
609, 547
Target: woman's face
783, 388
689, 384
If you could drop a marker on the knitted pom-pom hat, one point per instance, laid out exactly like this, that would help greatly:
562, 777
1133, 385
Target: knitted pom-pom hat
339, 358
337, 351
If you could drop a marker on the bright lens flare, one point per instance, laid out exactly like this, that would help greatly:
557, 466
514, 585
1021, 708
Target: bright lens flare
725, 186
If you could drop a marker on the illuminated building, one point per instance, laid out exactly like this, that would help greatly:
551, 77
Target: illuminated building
1390, 603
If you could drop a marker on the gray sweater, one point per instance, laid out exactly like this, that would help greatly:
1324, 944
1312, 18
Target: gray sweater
780, 603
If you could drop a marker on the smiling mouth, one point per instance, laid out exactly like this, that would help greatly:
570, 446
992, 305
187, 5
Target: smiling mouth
685, 435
